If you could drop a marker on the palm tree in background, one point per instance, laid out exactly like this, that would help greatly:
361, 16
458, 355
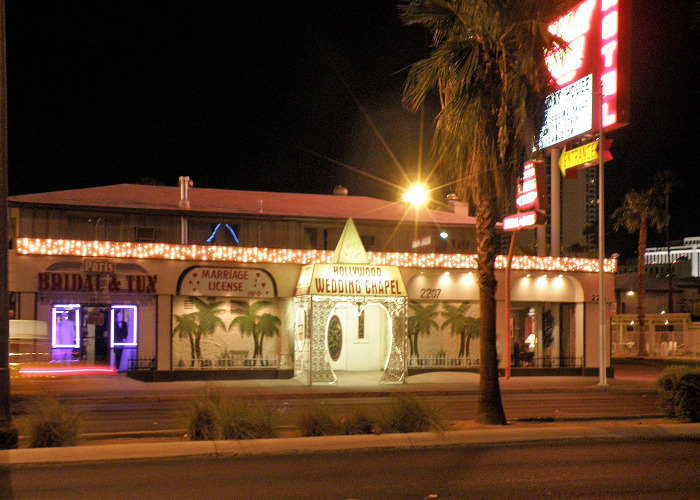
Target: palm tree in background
247, 321
186, 328
488, 66
424, 318
208, 321
637, 213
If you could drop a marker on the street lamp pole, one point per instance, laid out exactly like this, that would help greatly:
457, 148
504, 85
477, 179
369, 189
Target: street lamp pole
602, 369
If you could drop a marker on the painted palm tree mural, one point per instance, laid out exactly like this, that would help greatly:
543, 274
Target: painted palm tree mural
208, 320
250, 323
423, 318
268, 326
460, 324
186, 328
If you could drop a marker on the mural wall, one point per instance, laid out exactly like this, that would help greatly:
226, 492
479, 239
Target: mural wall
224, 333
443, 331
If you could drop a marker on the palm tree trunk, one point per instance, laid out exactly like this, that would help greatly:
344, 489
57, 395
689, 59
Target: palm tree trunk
641, 287
490, 408
462, 340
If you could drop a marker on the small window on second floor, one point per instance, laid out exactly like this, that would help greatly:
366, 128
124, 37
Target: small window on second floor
368, 242
145, 234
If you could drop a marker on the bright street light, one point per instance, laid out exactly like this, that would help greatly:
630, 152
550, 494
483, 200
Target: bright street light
416, 195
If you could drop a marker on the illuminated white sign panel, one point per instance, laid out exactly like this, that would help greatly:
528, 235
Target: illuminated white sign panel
569, 112
520, 221
352, 279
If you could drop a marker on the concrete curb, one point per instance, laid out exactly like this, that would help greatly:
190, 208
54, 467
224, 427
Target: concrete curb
479, 436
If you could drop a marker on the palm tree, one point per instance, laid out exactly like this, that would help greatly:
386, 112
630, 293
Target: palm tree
207, 321
268, 326
247, 321
488, 65
186, 328
637, 213
424, 319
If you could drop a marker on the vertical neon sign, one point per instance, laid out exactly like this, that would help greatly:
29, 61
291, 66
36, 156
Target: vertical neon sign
608, 52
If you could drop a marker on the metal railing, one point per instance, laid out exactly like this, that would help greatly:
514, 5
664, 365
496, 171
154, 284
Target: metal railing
138, 364
442, 362
230, 362
549, 362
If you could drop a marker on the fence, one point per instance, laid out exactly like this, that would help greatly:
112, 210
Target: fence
659, 344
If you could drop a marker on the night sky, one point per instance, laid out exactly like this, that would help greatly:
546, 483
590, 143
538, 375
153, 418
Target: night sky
288, 96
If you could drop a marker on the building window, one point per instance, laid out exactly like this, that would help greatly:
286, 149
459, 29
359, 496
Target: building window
145, 234
368, 242
310, 238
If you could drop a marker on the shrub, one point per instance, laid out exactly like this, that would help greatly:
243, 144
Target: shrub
409, 414
241, 420
679, 392
203, 418
52, 424
316, 421
358, 423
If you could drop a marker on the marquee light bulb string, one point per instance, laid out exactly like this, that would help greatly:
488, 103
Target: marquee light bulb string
163, 251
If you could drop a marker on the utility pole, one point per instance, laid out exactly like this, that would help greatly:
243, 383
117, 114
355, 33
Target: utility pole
8, 432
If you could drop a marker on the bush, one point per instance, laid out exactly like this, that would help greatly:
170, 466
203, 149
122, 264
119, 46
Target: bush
679, 392
316, 421
212, 416
203, 418
358, 423
241, 420
409, 414
52, 424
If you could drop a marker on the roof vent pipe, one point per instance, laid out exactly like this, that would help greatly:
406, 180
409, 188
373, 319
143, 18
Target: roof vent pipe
185, 183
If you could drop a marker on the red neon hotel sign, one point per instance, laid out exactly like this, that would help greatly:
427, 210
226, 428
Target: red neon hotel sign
531, 198
590, 64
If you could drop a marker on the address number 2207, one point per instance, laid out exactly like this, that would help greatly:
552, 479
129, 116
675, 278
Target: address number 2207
430, 293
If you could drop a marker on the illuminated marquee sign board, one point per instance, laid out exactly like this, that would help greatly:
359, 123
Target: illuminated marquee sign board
597, 59
96, 276
356, 279
227, 282
531, 198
